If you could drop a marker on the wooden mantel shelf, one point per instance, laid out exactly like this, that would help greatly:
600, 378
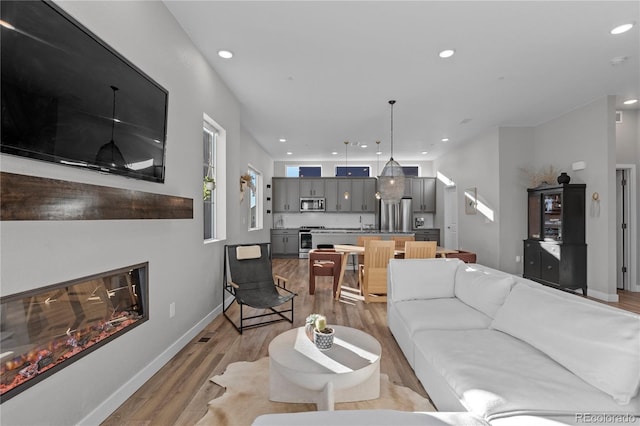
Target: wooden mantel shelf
25, 197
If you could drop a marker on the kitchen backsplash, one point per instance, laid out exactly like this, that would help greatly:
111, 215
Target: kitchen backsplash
328, 220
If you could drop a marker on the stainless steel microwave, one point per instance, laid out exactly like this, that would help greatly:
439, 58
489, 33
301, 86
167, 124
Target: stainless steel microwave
312, 204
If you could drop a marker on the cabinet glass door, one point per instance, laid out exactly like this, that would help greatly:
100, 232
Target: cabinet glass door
534, 216
552, 216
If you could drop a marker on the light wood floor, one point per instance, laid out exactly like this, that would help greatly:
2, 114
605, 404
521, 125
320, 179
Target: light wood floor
178, 394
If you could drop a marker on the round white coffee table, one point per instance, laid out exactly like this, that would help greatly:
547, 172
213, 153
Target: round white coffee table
300, 372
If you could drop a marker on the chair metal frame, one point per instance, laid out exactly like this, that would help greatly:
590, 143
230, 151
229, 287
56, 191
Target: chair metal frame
234, 289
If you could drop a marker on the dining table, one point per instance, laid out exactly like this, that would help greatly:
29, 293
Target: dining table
349, 249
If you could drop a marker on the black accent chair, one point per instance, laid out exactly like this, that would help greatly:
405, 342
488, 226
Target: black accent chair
248, 277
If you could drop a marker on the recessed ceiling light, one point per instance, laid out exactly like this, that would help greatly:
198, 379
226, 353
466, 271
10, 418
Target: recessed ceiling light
445, 139
282, 140
225, 54
334, 153
621, 29
379, 153
289, 152
363, 146
446, 53
424, 152
630, 102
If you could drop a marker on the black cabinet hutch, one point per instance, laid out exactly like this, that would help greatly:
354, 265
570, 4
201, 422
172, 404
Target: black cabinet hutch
555, 252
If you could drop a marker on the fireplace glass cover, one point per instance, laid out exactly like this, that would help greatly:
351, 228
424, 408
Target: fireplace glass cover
46, 329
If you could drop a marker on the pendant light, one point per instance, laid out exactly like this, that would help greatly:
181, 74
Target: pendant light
378, 196
391, 180
346, 166
109, 153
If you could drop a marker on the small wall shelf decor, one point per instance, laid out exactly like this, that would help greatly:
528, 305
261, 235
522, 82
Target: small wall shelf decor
246, 181
471, 200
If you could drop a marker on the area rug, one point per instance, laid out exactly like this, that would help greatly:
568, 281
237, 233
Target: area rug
247, 397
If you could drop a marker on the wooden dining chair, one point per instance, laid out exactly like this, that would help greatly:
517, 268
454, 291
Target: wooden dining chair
361, 240
401, 239
373, 272
465, 256
419, 249
324, 263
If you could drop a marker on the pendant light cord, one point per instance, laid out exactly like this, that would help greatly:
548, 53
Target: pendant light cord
391, 103
113, 113
346, 159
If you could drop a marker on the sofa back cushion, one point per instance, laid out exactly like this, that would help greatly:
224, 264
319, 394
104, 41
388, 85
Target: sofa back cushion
599, 344
481, 290
410, 279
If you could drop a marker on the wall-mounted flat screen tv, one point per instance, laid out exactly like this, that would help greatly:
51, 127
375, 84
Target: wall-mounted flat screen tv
67, 97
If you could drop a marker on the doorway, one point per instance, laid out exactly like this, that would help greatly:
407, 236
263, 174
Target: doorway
625, 227
451, 217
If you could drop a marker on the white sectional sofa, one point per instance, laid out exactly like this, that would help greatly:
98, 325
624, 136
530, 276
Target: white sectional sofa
510, 350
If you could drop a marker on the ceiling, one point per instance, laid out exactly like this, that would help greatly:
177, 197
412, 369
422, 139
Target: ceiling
317, 73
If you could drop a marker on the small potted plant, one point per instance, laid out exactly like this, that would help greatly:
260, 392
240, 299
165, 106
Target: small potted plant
310, 325
323, 335
208, 185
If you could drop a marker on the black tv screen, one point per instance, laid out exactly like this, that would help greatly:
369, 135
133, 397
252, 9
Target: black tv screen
67, 97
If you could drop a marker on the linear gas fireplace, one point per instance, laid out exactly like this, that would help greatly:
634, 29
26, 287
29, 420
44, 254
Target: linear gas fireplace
47, 329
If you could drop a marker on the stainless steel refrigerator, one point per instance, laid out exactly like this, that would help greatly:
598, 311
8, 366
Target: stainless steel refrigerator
396, 217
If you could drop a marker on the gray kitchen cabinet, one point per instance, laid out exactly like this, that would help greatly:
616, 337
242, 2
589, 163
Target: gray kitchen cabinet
284, 242
286, 195
334, 194
432, 234
408, 186
363, 195
310, 187
423, 192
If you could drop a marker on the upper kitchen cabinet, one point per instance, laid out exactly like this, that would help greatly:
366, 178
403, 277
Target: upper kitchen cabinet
423, 192
286, 195
363, 195
311, 187
334, 194
408, 186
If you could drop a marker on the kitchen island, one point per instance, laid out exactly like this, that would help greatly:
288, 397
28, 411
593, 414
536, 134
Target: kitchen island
350, 236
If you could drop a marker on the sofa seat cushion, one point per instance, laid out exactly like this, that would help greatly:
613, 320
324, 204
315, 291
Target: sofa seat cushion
599, 344
496, 375
440, 314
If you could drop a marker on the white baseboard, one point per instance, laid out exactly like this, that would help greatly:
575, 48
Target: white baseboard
602, 296
104, 410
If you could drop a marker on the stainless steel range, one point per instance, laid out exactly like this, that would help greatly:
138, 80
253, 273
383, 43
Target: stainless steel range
305, 240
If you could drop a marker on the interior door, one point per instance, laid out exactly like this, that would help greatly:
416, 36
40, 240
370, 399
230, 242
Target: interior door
622, 237
451, 217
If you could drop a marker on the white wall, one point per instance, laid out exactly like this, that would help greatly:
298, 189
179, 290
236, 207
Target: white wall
516, 150
182, 269
474, 164
493, 164
627, 149
588, 134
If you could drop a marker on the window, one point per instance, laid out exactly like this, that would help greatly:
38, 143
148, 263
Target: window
354, 171
213, 186
304, 171
410, 170
255, 199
